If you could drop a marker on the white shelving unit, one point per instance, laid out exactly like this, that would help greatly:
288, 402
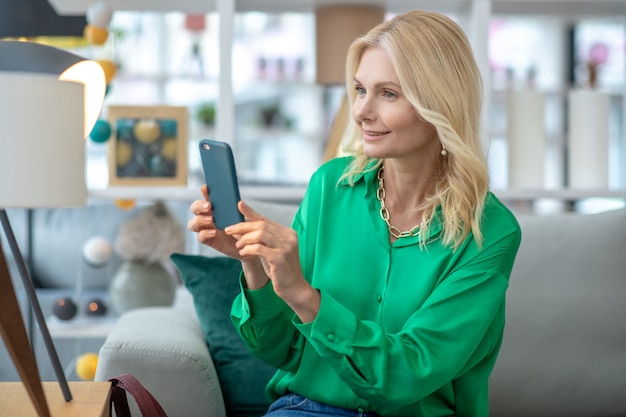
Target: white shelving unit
293, 194
275, 193
474, 17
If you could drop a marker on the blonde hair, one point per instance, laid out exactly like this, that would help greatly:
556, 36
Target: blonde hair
439, 77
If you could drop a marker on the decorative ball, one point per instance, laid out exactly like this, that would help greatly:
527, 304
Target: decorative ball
109, 68
96, 308
147, 131
86, 366
95, 35
124, 128
169, 127
65, 308
101, 131
124, 153
99, 14
158, 167
97, 251
169, 149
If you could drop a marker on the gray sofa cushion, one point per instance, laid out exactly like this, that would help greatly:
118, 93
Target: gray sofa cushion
175, 366
564, 350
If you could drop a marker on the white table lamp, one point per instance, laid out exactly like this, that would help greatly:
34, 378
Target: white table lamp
47, 108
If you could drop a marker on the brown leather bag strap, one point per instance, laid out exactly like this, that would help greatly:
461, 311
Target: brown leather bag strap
119, 401
127, 383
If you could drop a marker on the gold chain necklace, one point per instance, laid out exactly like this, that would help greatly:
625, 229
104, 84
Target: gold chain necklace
384, 213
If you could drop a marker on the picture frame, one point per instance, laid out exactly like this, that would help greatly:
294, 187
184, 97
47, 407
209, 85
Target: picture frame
148, 145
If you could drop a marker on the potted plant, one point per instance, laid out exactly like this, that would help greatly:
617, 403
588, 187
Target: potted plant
206, 114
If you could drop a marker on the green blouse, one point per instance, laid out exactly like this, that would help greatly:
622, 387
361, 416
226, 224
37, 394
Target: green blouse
401, 330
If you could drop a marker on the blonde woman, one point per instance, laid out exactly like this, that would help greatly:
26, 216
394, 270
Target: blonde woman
387, 295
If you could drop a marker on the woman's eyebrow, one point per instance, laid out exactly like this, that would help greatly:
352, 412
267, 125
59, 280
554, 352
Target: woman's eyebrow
382, 84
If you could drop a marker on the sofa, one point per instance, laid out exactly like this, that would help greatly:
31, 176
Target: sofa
564, 350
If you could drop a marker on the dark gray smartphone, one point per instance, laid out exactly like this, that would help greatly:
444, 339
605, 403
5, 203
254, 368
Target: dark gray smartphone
221, 179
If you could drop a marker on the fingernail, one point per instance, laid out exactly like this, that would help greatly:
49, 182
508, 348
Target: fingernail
205, 206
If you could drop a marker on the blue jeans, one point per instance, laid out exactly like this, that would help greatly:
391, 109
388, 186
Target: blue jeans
295, 405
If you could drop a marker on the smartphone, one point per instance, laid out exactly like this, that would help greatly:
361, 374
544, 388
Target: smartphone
221, 179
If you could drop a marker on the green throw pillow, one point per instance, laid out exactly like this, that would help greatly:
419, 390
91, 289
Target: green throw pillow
214, 283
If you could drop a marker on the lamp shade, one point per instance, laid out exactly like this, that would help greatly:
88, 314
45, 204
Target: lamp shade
42, 149
30, 57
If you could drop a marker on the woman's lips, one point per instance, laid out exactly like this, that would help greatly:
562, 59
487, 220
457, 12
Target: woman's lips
373, 135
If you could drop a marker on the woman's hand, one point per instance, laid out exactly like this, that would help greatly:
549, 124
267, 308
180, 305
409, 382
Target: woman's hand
277, 248
207, 232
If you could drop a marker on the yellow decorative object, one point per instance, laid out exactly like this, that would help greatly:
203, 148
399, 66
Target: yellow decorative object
95, 35
169, 149
124, 153
125, 204
109, 68
86, 366
147, 131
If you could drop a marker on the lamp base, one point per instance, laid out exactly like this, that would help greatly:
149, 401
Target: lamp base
13, 332
34, 303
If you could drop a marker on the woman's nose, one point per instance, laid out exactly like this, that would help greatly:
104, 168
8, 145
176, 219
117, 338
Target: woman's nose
362, 109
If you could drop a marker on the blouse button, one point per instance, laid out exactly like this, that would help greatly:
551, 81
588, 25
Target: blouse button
379, 298
330, 337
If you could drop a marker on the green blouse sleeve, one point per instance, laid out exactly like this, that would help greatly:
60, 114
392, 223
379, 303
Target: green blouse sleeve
265, 323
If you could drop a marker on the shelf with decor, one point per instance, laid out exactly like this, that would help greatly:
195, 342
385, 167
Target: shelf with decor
236, 99
276, 193
559, 194
566, 139
290, 194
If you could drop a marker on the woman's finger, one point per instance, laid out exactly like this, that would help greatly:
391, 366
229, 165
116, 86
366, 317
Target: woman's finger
253, 221
248, 212
201, 207
200, 222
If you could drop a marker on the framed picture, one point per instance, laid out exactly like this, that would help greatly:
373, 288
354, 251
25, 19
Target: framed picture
148, 145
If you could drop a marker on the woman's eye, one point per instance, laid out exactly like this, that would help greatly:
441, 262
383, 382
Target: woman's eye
390, 94
359, 90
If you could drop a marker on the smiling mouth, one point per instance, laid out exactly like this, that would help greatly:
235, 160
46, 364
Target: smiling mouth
373, 134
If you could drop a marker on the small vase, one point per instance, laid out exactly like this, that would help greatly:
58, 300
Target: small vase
137, 284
